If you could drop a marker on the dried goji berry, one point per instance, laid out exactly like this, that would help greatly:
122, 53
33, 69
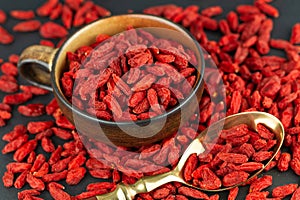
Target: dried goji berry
33, 90
5, 36
9, 69
246, 9
77, 161
160, 193
270, 166
39, 126
55, 13
47, 145
46, 8
8, 179
15, 144
53, 30
283, 191
93, 163
232, 157
27, 26
51, 107
74, 176
190, 192
234, 178
31, 157
18, 167
100, 173
22, 14
250, 166
63, 122
44, 169
13, 58
32, 110
295, 34
2, 16
212, 11
54, 177
89, 194
17, 98
257, 195
56, 191
24, 150
8, 86
296, 194
35, 183
102, 12
267, 8
261, 183
283, 162
16, 132
31, 192
21, 180
79, 16
233, 193
190, 166
47, 43
209, 179
67, 16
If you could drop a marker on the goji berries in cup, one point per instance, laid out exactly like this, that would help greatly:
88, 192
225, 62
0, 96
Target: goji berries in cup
37, 61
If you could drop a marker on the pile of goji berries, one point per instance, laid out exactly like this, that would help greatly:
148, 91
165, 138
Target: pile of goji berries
131, 76
254, 80
238, 152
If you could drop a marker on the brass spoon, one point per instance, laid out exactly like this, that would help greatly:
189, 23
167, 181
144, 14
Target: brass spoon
149, 183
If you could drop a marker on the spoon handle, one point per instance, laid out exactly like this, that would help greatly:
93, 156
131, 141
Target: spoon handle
146, 184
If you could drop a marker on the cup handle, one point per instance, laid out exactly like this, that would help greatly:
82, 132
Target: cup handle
35, 65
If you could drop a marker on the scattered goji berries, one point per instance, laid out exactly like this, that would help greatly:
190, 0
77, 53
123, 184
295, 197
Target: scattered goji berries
84, 13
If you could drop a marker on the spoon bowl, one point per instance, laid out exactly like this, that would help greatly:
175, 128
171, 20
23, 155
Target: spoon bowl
149, 183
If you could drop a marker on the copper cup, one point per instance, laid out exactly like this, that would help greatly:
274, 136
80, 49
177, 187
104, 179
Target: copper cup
43, 66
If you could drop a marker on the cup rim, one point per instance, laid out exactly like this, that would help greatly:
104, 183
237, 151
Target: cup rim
81, 113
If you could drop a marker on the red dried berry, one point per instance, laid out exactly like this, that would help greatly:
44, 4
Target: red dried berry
9, 69
2, 16
285, 190
22, 14
39, 126
32, 110
53, 30
46, 8
5, 36
17, 98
